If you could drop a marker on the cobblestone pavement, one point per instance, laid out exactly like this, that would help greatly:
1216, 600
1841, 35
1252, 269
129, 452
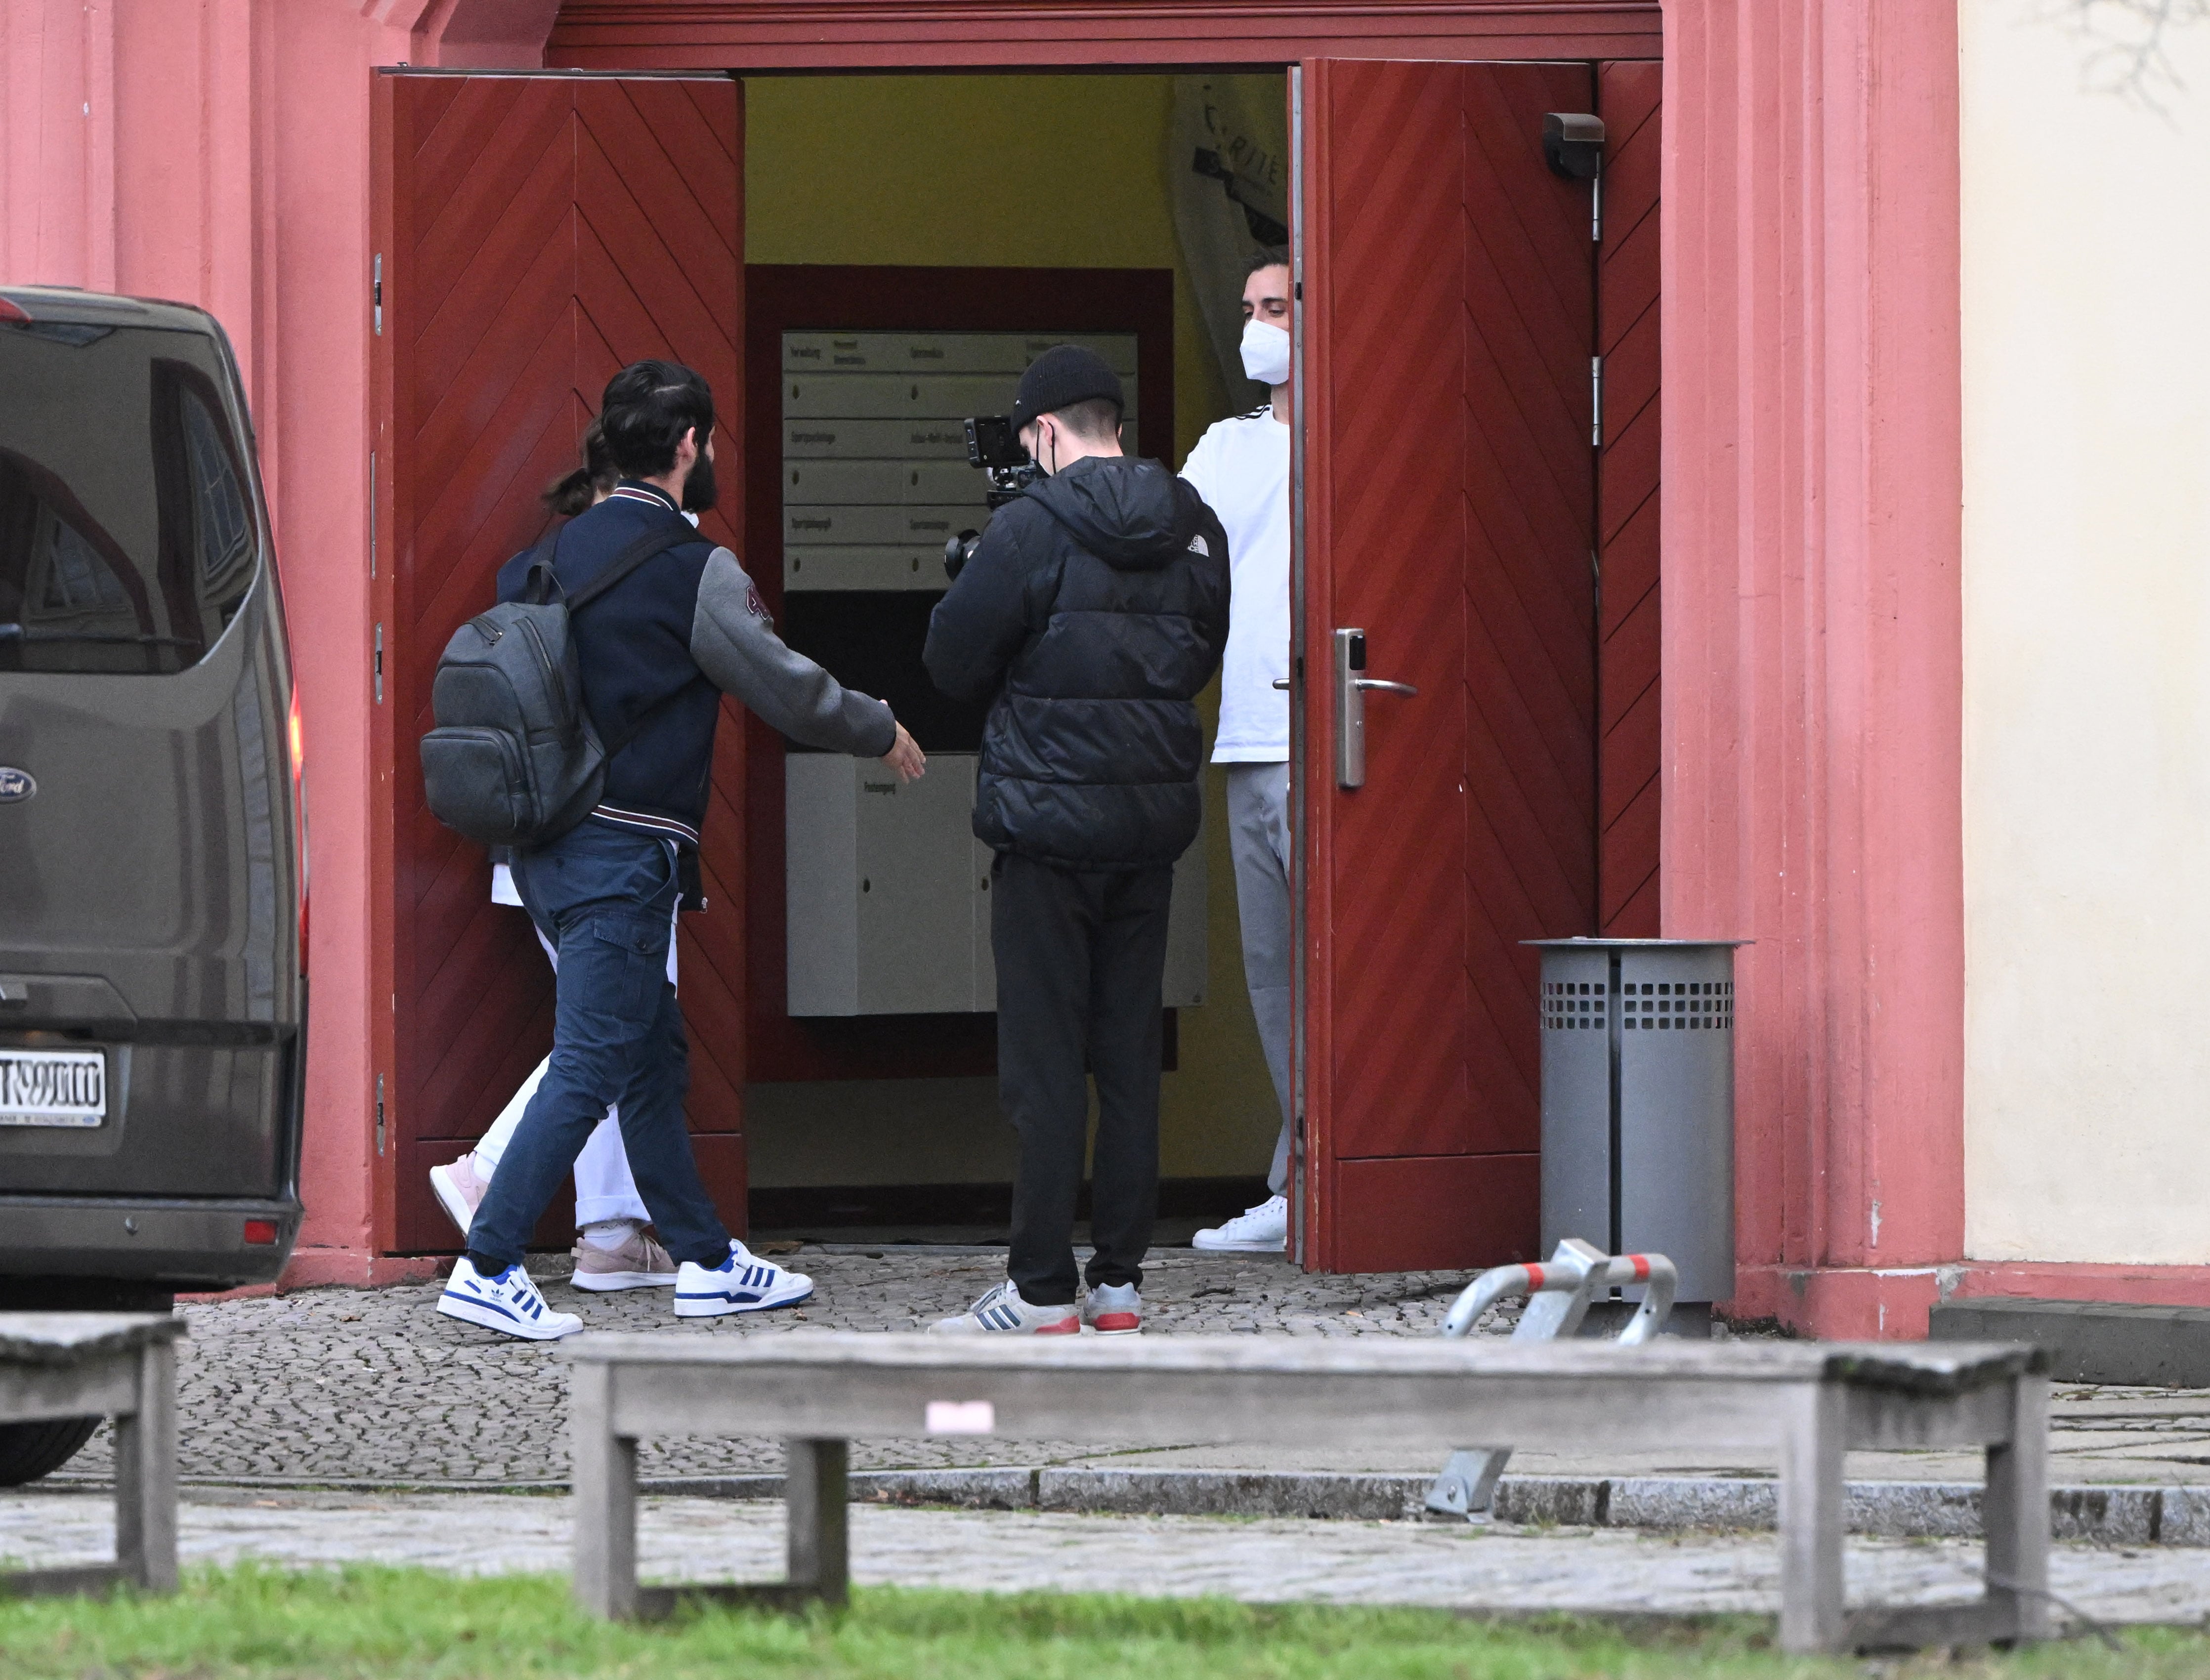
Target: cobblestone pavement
371, 1385
1272, 1560
353, 1385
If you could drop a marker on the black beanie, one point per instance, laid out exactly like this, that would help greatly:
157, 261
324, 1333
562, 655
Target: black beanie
1063, 376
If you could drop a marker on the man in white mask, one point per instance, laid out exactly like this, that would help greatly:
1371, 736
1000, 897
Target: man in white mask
1240, 467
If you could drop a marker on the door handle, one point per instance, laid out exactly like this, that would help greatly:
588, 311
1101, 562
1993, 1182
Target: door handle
1351, 686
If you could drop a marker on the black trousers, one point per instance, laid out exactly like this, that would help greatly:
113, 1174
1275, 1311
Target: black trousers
1081, 956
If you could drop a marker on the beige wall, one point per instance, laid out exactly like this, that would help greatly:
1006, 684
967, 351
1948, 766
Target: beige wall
1050, 171
2086, 405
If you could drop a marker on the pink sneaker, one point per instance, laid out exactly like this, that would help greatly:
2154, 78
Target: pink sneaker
639, 1263
460, 1192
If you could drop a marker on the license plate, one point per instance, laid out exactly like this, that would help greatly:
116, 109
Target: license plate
52, 1087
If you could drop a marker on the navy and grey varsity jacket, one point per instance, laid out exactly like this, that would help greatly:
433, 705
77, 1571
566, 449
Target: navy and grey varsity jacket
660, 648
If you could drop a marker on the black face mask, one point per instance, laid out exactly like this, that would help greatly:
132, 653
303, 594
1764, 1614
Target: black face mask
699, 490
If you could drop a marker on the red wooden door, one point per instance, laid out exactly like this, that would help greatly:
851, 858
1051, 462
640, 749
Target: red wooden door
1448, 497
533, 233
1628, 785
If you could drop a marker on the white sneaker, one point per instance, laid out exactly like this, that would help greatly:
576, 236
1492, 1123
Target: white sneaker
1002, 1312
459, 1191
1114, 1309
1264, 1230
507, 1304
744, 1283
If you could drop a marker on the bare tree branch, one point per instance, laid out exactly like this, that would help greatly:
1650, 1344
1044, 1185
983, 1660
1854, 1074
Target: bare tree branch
2126, 41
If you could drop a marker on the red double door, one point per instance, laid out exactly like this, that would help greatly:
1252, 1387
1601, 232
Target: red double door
1461, 505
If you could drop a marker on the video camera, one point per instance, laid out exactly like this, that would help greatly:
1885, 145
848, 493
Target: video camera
994, 446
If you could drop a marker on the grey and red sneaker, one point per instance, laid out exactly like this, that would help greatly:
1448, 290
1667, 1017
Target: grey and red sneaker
1002, 1312
1114, 1309
459, 1191
639, 1263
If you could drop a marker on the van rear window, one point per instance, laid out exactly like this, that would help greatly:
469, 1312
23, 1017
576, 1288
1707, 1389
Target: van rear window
127, 533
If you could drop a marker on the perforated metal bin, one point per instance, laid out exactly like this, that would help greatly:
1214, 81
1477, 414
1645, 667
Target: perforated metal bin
1638, 1102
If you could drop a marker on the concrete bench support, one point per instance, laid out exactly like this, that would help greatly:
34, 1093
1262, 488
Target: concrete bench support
1808, 1402
118, 1365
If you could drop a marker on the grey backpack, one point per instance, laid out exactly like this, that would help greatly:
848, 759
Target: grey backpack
514, 760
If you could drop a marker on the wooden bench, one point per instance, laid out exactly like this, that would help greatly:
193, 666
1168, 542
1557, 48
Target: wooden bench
118, 1365
1808, 1402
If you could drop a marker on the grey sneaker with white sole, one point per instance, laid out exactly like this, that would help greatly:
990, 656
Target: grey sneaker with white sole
639, 1263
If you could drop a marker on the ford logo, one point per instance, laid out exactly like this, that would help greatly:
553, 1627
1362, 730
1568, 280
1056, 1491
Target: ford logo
15, 785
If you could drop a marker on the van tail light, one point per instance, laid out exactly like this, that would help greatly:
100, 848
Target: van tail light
14, 313
295, 736
261, 1233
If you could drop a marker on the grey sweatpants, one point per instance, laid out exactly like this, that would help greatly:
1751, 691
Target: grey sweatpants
1259, 838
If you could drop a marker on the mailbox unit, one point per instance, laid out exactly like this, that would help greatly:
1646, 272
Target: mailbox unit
889, 904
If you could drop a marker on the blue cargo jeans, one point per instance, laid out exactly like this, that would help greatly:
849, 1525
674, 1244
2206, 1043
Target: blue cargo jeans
605, 896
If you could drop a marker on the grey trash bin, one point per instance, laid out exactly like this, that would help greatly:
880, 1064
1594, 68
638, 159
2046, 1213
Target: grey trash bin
1638, 1105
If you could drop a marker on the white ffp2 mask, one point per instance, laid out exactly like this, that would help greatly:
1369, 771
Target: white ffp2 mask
1265, 353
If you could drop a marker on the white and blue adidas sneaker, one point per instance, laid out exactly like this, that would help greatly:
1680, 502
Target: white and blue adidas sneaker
744, 1283
508, 1303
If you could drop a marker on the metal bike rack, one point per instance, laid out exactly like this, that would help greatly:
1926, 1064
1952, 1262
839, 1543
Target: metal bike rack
1558, 1292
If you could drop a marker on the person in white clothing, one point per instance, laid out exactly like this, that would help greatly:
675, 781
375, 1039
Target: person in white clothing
1240, 467
612, 1250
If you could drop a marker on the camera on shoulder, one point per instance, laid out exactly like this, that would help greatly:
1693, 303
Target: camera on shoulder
995, 445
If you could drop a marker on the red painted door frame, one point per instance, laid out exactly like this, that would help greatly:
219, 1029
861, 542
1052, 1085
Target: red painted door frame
1039, 34
853, 35
1810, 529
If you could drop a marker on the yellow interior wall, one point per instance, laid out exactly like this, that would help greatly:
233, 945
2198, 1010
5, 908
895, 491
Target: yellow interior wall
998, 171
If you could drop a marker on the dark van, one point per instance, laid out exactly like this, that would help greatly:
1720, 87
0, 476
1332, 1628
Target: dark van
153, 883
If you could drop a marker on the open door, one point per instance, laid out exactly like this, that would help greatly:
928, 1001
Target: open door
1447, 477
533, 233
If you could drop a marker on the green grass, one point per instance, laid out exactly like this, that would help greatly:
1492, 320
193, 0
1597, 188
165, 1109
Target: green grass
373, 1623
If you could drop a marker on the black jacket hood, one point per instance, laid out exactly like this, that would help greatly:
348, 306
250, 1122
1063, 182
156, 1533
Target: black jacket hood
1091, 624
1122, 509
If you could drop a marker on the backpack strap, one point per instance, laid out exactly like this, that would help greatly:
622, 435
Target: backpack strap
655, 541
538, 580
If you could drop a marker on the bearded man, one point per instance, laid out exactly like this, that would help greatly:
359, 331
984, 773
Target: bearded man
677, 626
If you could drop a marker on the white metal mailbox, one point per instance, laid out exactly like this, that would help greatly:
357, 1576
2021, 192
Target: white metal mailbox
887, 893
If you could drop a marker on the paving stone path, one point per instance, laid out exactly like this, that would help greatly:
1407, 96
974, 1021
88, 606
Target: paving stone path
1266, 1561
338, 1385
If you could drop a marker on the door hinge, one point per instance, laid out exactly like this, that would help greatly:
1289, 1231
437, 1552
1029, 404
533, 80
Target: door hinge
379, 1113
379, 665
1595, 210
376, 293
1596, 401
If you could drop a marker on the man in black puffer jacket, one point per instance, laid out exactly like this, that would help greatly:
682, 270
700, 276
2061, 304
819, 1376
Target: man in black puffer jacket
1094, 610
